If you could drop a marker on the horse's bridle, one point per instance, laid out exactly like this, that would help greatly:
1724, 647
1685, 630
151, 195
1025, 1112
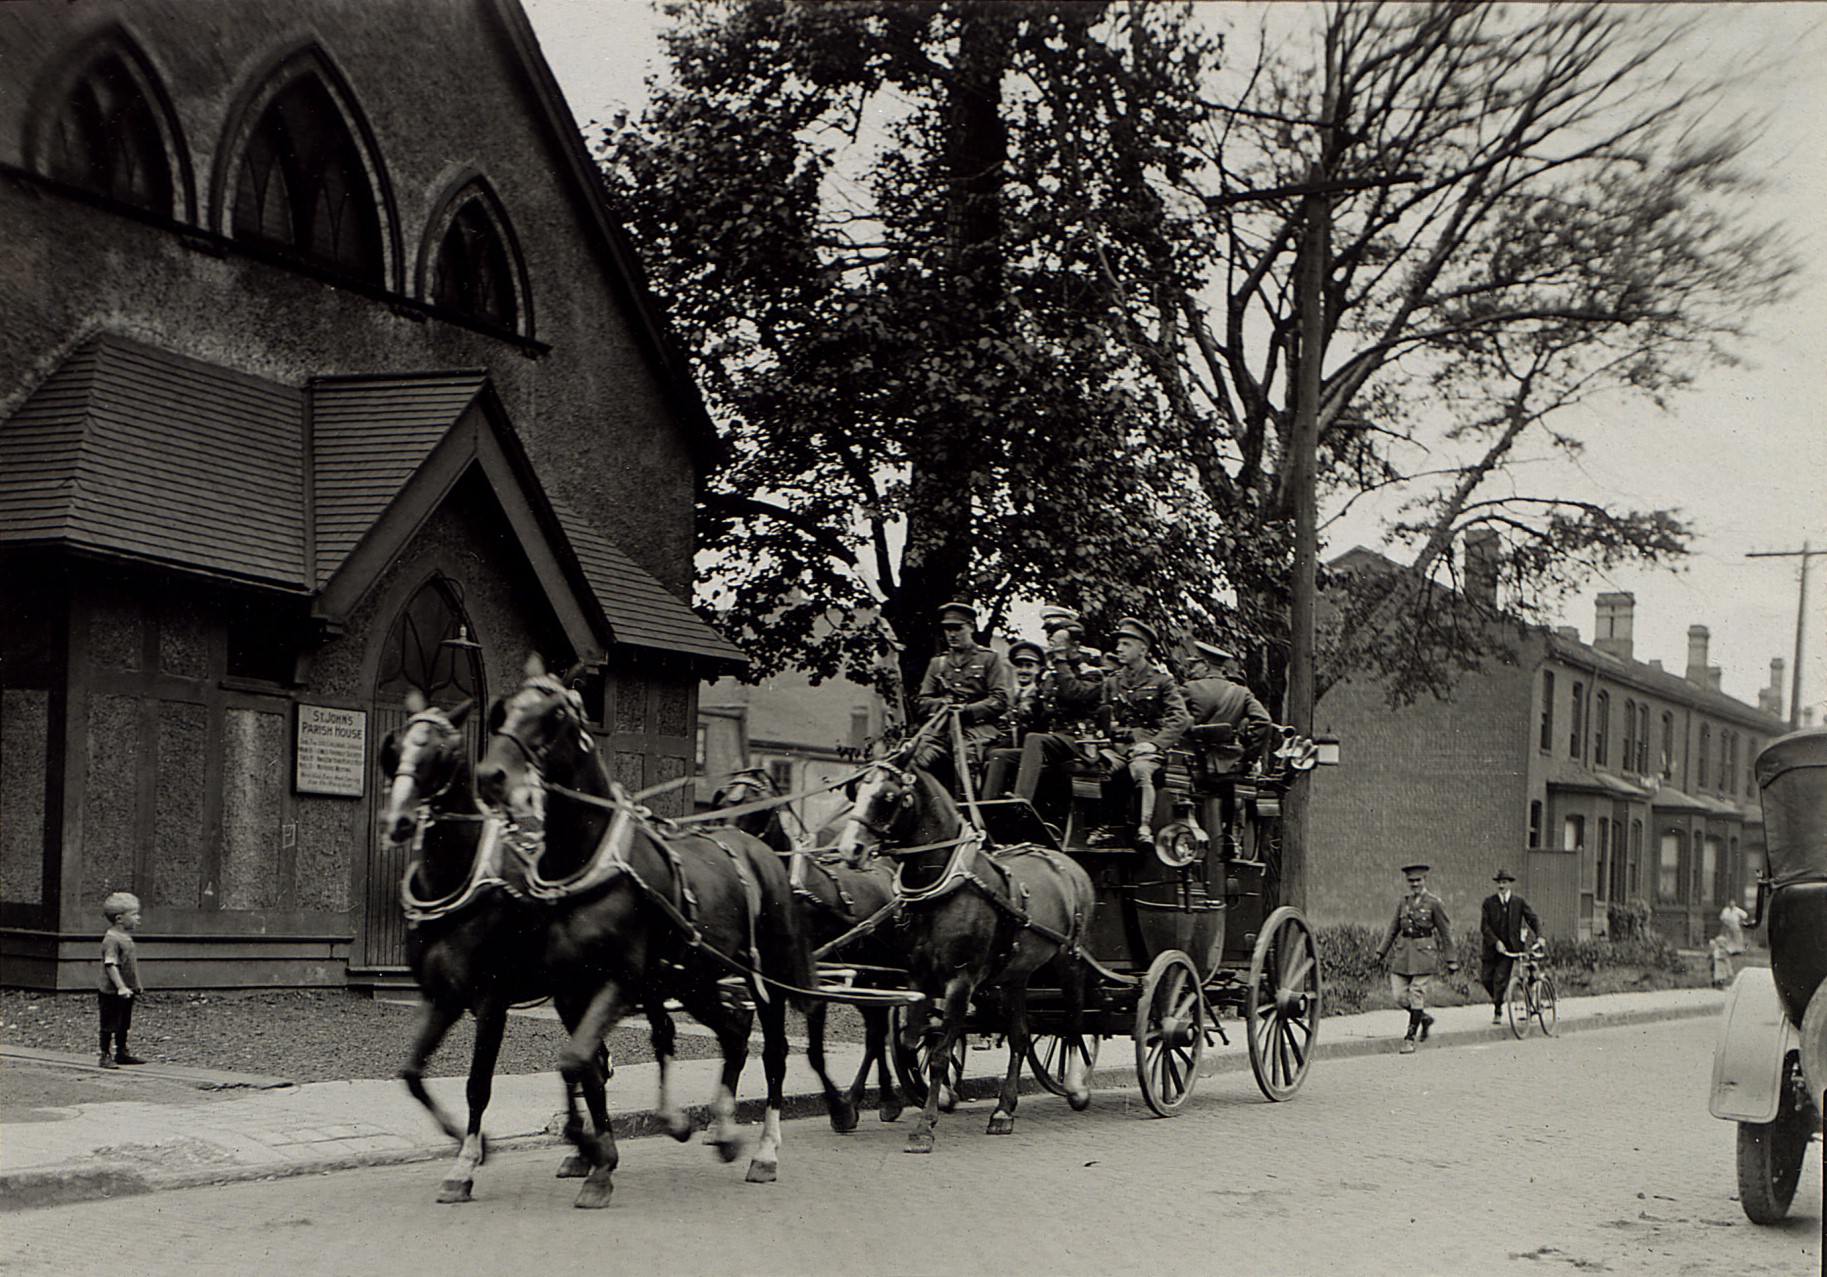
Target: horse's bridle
902, 776
568, 706
446, 728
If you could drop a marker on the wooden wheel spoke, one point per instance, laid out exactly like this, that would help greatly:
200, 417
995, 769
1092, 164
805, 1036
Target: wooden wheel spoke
1295, 981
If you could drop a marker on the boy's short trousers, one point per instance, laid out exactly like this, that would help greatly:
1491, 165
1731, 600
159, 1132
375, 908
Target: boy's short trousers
116, 1012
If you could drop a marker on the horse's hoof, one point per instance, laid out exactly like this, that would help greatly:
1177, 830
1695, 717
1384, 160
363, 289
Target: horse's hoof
761, 1172
920, 1142
727, 1150
452, 1191
573, 1167
1079, 1100
1000, 1124
680, 1132
890, 1112
843, 1117
948, 1099
595, 1194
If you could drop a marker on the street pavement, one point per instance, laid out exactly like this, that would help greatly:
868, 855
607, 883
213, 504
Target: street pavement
1590, 1153
195, 1127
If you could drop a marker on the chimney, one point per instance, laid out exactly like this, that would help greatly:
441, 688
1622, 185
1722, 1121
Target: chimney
1656, 665
1481, 567
1612, 630
1770, 699
1713, 675
1569, 632
1697, 636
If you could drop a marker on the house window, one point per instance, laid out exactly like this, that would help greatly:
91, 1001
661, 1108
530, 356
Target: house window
1535, 824
1576, 737
1641, 763
1628, 754
1706, 880
780, 771
1754, 868
1668, 869
701, 750
1668, 745
1573, 833
106, 138
1728, 762
1706, 747
1547, 735
1751, 752
303, 187
1601, 729
473, 272
429, 649
1634, 886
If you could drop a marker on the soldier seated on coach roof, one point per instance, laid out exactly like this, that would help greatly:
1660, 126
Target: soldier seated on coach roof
1143, 712
1051, 722
975, 679
1215, 695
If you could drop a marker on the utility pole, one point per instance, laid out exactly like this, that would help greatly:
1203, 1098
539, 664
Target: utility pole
1801, 623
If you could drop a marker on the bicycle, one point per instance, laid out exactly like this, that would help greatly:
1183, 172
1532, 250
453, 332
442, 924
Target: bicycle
1530, 994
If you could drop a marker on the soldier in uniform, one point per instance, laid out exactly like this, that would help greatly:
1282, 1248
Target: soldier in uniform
1419, 934
1025, 657
1053, 721
1215, 695
975, 679
1144, 713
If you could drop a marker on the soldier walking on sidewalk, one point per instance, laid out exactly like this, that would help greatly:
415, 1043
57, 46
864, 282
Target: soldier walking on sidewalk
1419, 934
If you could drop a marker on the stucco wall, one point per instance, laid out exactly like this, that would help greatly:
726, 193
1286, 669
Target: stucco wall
591, 410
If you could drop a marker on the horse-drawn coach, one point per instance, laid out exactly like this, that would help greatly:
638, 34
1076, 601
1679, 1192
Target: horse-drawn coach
1770, 1065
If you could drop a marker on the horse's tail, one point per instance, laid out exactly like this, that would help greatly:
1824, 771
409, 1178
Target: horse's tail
784, 940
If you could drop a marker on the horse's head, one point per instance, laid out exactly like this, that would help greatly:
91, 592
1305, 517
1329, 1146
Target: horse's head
881, 810
537, 734
423, 762
747, 786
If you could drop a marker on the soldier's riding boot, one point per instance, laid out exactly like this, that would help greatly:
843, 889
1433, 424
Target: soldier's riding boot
1414, 1025
1427, 1022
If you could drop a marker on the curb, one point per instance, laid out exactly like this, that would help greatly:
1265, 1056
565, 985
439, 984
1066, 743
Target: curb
64, 1185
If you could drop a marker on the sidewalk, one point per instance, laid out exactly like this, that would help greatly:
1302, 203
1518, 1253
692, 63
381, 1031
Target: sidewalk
277, 1129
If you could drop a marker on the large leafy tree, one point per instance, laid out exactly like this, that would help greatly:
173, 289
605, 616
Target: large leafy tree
906, 309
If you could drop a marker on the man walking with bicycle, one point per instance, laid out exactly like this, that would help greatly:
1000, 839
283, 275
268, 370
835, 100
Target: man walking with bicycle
1504, 915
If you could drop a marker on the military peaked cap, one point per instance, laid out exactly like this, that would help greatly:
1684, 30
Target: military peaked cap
1416, 869
961, 612
1136, 629
1034, 651
1059, 618
1212, 652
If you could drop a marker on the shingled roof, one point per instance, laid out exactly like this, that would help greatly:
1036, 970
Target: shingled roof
133, 451
127, 450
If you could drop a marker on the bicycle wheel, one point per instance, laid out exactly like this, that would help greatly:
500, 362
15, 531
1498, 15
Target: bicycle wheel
1516, 1006
1544, 1004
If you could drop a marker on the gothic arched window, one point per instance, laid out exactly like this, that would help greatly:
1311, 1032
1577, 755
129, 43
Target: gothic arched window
429, 649
106, 138
302, 185
473, 272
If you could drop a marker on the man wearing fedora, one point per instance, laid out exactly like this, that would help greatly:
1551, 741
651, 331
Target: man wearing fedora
1501, 924
1419, 934
1144, 713
1215, 695
976, 680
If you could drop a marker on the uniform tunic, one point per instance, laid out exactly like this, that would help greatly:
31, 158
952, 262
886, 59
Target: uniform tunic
1219, 700
1419, 934
1144, 707
981, 683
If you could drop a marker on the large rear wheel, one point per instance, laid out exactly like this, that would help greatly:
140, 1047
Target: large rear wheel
1169, 1032
1282, 1010
1770, 1155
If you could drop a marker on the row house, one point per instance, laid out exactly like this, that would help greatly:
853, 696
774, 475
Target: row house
1598, 778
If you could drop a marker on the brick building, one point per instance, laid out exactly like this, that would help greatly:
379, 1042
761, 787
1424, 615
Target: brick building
1597, 778
325, 375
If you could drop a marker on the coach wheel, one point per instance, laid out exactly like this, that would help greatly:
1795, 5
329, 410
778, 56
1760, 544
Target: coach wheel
1169, 1032
1049, 1053
911, 1066
1282, 1011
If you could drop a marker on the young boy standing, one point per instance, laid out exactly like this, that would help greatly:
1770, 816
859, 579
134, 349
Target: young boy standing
120, 977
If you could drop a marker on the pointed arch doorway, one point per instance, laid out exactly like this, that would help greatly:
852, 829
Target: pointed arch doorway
430, 648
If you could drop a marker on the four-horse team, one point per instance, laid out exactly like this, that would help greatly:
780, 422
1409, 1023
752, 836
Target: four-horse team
1053, 855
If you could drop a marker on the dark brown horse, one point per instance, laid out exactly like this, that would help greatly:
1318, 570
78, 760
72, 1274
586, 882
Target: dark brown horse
473, 943
650, 912
833, 899
973, 923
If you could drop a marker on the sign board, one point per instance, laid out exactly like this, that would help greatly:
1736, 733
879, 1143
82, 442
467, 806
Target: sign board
332, 751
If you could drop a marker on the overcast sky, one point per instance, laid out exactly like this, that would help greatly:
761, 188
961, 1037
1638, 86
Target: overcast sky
1743, 456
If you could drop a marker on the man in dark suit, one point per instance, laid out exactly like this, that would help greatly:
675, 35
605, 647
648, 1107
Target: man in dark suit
1502, 922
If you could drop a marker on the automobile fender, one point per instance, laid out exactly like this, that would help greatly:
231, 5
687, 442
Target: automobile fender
1755, 1037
